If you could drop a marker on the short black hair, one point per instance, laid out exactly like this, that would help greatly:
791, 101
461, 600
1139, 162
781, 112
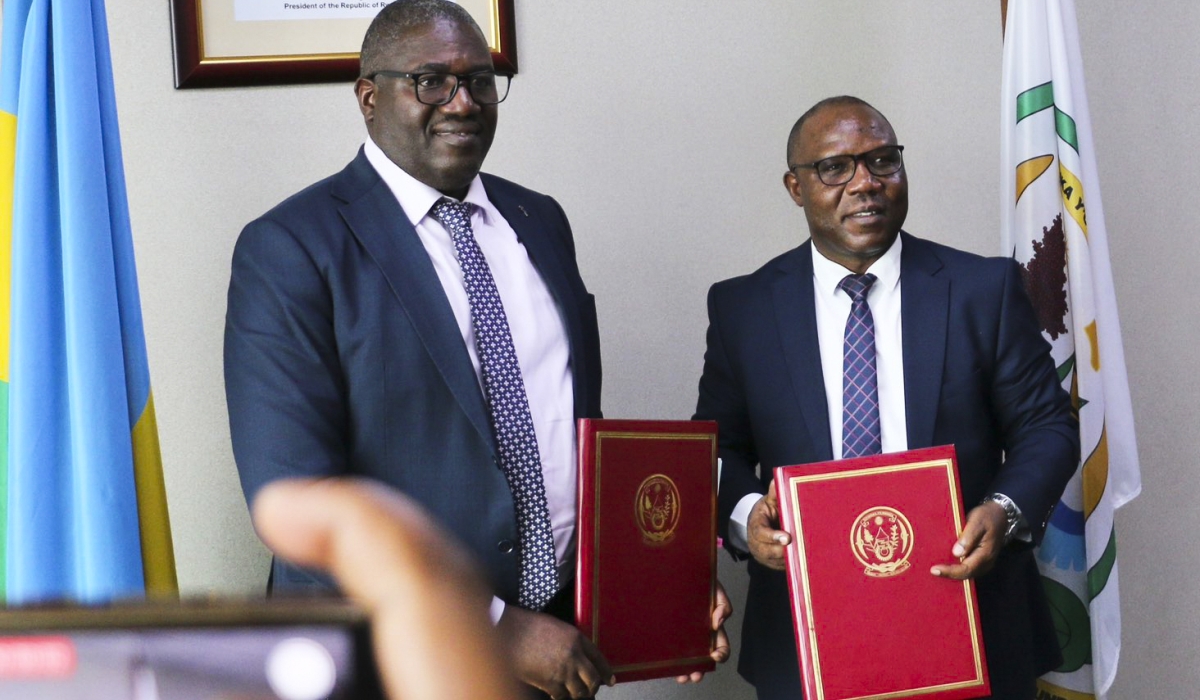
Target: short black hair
836, 101
396, 20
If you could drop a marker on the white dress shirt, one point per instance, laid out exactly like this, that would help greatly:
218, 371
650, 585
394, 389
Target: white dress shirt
833, 309
534, 319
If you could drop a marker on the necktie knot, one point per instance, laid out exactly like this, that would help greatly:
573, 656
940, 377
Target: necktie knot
454, 215
857, 286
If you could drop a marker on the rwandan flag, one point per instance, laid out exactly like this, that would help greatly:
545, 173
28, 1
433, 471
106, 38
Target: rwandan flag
83, 511
1053, 224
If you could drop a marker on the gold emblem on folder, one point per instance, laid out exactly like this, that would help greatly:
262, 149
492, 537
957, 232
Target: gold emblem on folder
882, 540
656, 509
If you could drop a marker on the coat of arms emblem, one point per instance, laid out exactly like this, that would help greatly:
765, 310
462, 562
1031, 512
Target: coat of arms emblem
882, 540
657, 509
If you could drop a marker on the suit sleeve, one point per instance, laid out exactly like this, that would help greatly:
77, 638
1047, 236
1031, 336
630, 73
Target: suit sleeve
723, 400
283, 382
1040, 431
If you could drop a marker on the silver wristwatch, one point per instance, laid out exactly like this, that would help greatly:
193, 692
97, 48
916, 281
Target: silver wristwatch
1010, 512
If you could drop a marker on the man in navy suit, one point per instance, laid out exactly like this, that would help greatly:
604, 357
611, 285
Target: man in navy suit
959, 360
350, 345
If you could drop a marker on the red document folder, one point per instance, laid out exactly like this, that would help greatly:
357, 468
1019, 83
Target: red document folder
871, 621
646, 573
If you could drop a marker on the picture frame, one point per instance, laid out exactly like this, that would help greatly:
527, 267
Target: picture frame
235, 43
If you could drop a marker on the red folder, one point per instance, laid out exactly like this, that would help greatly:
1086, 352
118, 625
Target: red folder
646, 574
870, 620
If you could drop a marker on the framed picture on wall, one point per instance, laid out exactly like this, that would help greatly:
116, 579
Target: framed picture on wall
226, 43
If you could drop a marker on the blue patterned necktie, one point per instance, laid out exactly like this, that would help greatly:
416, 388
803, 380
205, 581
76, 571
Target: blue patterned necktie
512, 423
860, 385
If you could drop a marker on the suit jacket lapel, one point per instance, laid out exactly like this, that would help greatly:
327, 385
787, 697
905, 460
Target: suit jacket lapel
545, 252
796, 318
925, 304
380, 225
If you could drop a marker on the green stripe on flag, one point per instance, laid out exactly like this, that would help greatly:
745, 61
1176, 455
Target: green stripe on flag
1035, 100
1098, 574
1065, 126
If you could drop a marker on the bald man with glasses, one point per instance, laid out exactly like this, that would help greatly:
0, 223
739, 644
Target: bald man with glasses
424, 325
868, 340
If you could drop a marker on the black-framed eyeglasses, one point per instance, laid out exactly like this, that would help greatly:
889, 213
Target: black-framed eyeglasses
838, 170
485, 87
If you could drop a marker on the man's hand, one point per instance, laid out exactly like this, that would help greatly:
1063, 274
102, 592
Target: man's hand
721, 611
766, 540
427, 601
978, 545
551, 655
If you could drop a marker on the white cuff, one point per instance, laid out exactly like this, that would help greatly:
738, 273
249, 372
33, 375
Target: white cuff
496, 610
738, 519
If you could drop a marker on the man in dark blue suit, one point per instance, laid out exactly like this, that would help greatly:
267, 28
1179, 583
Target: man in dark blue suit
363, 335
958, 359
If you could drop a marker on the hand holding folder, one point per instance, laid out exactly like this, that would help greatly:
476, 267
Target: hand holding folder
870, 620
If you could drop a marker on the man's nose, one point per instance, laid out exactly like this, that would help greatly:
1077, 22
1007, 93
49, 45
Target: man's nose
863, 179
463, 101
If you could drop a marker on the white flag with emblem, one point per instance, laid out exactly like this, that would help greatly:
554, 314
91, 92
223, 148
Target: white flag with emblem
1053, 224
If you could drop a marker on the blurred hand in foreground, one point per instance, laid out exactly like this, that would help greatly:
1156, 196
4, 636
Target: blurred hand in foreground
427, 603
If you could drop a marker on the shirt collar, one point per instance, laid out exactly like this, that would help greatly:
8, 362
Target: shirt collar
886, 269
415, 197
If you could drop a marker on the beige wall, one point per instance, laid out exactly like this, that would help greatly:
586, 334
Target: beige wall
660, 127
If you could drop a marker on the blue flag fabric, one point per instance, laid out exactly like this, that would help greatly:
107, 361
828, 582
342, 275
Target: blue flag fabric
78, 378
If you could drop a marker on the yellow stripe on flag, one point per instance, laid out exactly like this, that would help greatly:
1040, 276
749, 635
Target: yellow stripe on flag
158, 553
1072, 193
1093, 344
1031, 170
1095, 475
8, 153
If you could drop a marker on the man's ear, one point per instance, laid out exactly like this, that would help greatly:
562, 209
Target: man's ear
792, 185
364, 90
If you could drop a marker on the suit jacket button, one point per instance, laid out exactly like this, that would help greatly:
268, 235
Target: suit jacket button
506, 546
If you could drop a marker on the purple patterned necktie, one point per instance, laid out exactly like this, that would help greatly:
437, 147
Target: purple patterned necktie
860, 386
512, 423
